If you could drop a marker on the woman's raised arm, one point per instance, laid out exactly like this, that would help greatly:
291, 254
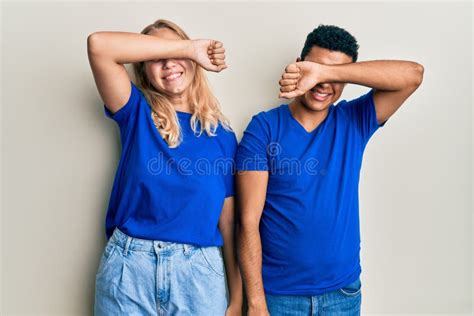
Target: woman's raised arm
109, 51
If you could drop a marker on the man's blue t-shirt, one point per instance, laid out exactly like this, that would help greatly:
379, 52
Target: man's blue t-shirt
169, 194
310, 222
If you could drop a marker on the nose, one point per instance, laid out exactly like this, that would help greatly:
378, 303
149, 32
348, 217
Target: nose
324, 85
168, 63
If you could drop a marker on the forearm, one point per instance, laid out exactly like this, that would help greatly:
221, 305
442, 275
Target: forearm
385, 75
234, 279
125, 47
250, 254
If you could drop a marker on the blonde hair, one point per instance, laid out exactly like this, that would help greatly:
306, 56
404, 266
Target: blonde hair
205, 107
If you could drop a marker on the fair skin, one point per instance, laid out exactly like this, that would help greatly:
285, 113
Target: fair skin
169, 69
109, 51
315, 84
234, 279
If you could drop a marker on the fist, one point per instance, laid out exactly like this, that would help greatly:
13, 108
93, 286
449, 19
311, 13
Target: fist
210, 54
298, 78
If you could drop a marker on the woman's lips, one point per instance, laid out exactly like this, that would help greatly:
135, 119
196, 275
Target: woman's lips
173, 76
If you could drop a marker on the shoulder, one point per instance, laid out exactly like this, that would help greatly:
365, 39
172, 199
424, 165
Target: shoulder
136, 91
226, 133
226, 137
365, 98
270, 114
265, 120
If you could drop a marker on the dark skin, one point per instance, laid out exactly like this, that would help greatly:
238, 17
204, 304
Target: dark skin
329, 71
314, 84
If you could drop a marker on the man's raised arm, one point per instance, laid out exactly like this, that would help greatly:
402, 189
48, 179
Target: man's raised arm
393, 81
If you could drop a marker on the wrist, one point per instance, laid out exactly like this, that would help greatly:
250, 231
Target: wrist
235, 305
189, 49
257, 303
236, 301
323, 72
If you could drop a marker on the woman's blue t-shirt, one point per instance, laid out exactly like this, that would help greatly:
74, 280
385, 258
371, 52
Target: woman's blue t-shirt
310, 222
169, 194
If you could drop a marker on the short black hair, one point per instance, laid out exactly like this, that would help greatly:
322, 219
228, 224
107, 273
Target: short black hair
333, 38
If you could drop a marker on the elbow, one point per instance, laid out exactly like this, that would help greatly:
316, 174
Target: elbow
417, 74
227, 224
247, 225
93, 41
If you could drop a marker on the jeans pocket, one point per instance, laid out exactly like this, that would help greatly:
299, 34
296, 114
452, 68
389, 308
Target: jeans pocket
352, 289
107, 255
212, 257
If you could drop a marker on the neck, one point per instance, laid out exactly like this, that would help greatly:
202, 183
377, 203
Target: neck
180, 103
308, 118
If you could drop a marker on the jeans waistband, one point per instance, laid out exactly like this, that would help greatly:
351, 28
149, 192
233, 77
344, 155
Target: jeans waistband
137, 244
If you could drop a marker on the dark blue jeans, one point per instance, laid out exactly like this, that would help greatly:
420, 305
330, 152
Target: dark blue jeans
345, 301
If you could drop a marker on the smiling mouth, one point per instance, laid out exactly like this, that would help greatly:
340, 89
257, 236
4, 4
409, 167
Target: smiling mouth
173, 76
320, 96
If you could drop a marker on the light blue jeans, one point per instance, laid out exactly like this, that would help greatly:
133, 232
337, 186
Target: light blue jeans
345, 301
151, 277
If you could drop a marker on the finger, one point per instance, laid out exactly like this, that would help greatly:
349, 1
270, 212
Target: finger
211, 44
290, 76
218, 68
292, 68
286, 82
213, 68
222, 67
218, 44
288, 95
288, 88
218, 62
216, 51
218, 56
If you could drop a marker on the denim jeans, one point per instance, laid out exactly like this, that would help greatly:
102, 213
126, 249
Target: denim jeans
152, 277
345, 301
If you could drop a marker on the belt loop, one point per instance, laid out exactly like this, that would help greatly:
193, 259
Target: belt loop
186, 249
127, 245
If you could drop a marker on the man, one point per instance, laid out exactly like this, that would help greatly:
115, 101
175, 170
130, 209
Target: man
298, 173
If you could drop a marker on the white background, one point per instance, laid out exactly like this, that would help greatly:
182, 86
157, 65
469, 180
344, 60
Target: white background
59, 152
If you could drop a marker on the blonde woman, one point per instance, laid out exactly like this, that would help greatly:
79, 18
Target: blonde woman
171, 207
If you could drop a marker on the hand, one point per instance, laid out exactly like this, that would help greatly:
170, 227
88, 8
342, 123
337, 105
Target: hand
258, 311
298, 78
209, 54
233, 310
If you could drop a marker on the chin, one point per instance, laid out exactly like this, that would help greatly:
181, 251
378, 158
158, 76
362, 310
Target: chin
173, 90
315, 105
177, 90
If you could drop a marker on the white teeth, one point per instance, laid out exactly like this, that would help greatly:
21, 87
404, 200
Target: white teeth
321, 94
173, 76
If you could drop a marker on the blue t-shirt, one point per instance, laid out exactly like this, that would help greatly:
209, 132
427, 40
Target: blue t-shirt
310, 222
169, 194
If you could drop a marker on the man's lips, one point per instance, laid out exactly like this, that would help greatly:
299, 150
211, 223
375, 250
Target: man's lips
319, 96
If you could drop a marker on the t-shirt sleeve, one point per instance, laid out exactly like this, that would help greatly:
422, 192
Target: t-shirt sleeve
361, 112
230, 167
123, 116
252, 150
